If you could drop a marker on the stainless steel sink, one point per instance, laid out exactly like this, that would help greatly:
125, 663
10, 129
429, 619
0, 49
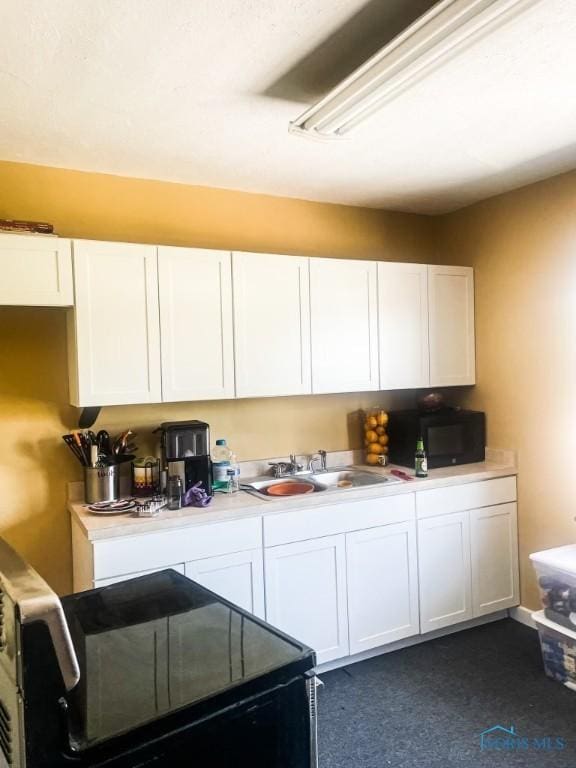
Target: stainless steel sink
335, 480
349, 478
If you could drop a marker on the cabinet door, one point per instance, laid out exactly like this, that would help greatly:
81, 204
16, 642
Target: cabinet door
444, 571
36, 271
382, 585
494, 541
271, 325
195, 324
344, 325
403, 325
114, 335
238, 577
306, 593
451, 306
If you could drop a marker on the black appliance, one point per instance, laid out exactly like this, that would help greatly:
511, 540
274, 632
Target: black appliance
186, 452
451, 436
155, 671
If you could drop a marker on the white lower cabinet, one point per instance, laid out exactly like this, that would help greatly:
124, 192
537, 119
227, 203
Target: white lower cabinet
382, 577
444, 570
238, 577
306, 593
468, 564
494, 539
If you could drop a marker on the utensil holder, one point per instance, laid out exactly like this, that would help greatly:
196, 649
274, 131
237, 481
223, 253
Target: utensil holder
101, 484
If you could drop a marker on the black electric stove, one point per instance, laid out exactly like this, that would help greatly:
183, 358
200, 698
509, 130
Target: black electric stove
167, 674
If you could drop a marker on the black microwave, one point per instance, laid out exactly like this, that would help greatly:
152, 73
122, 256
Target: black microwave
451, 436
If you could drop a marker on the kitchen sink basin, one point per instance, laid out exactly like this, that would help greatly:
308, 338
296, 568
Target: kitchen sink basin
324, 482
349, 478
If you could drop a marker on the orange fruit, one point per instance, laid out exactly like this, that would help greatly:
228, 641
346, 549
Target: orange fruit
382, 419
372, 422
380, 430
375, 448
383, 439
372, 459
384, 449
371, 436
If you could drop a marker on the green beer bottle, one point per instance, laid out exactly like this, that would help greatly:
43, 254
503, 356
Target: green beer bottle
420, 460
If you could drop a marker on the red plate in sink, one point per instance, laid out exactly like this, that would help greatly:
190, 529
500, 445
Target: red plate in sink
289, 489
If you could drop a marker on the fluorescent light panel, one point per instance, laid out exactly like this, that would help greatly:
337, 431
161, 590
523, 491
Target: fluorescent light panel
441, 32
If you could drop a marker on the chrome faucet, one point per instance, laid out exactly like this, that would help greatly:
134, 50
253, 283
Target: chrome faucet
320, 456
294, 466
282, 468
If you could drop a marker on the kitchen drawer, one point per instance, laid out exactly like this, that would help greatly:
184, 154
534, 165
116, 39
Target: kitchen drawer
144, 552
311, 523
458, 498
179, 567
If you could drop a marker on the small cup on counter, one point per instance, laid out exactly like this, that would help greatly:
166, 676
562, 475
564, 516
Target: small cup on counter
145, 476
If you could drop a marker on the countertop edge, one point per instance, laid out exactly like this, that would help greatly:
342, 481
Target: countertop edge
242, 505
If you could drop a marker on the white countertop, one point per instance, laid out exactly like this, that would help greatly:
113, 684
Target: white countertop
242, 504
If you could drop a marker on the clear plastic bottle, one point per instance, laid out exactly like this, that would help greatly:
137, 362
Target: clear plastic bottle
221, 460
233, 474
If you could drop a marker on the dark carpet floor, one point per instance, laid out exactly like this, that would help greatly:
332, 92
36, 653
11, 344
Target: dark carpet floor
426, 706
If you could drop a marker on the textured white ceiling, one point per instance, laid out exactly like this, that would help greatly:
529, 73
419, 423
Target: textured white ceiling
191, 91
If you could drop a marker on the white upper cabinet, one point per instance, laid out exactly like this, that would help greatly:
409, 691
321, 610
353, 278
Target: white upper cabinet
451, 300
36, 271
196, 324
271, 325
403, 325
344, 322
114, 336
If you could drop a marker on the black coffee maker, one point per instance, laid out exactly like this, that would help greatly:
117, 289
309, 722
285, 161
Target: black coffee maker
186, 452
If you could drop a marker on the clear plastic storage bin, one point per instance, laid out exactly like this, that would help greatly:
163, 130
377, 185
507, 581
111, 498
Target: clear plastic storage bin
556, 572
558, 647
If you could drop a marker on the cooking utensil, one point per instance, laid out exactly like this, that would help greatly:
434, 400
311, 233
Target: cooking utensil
75, 448
103, 441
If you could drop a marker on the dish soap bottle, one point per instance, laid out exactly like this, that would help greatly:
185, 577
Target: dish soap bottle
420, 460
221, 461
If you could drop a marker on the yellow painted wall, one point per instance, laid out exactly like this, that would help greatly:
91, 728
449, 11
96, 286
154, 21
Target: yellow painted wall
523, 248
34, 463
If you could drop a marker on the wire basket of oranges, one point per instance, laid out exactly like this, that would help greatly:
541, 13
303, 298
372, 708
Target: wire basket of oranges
375, 421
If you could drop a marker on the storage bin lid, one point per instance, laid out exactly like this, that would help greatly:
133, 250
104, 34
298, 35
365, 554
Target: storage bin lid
542, 620
559, 558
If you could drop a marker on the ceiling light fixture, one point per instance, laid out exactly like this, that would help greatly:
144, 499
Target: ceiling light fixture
443, 31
